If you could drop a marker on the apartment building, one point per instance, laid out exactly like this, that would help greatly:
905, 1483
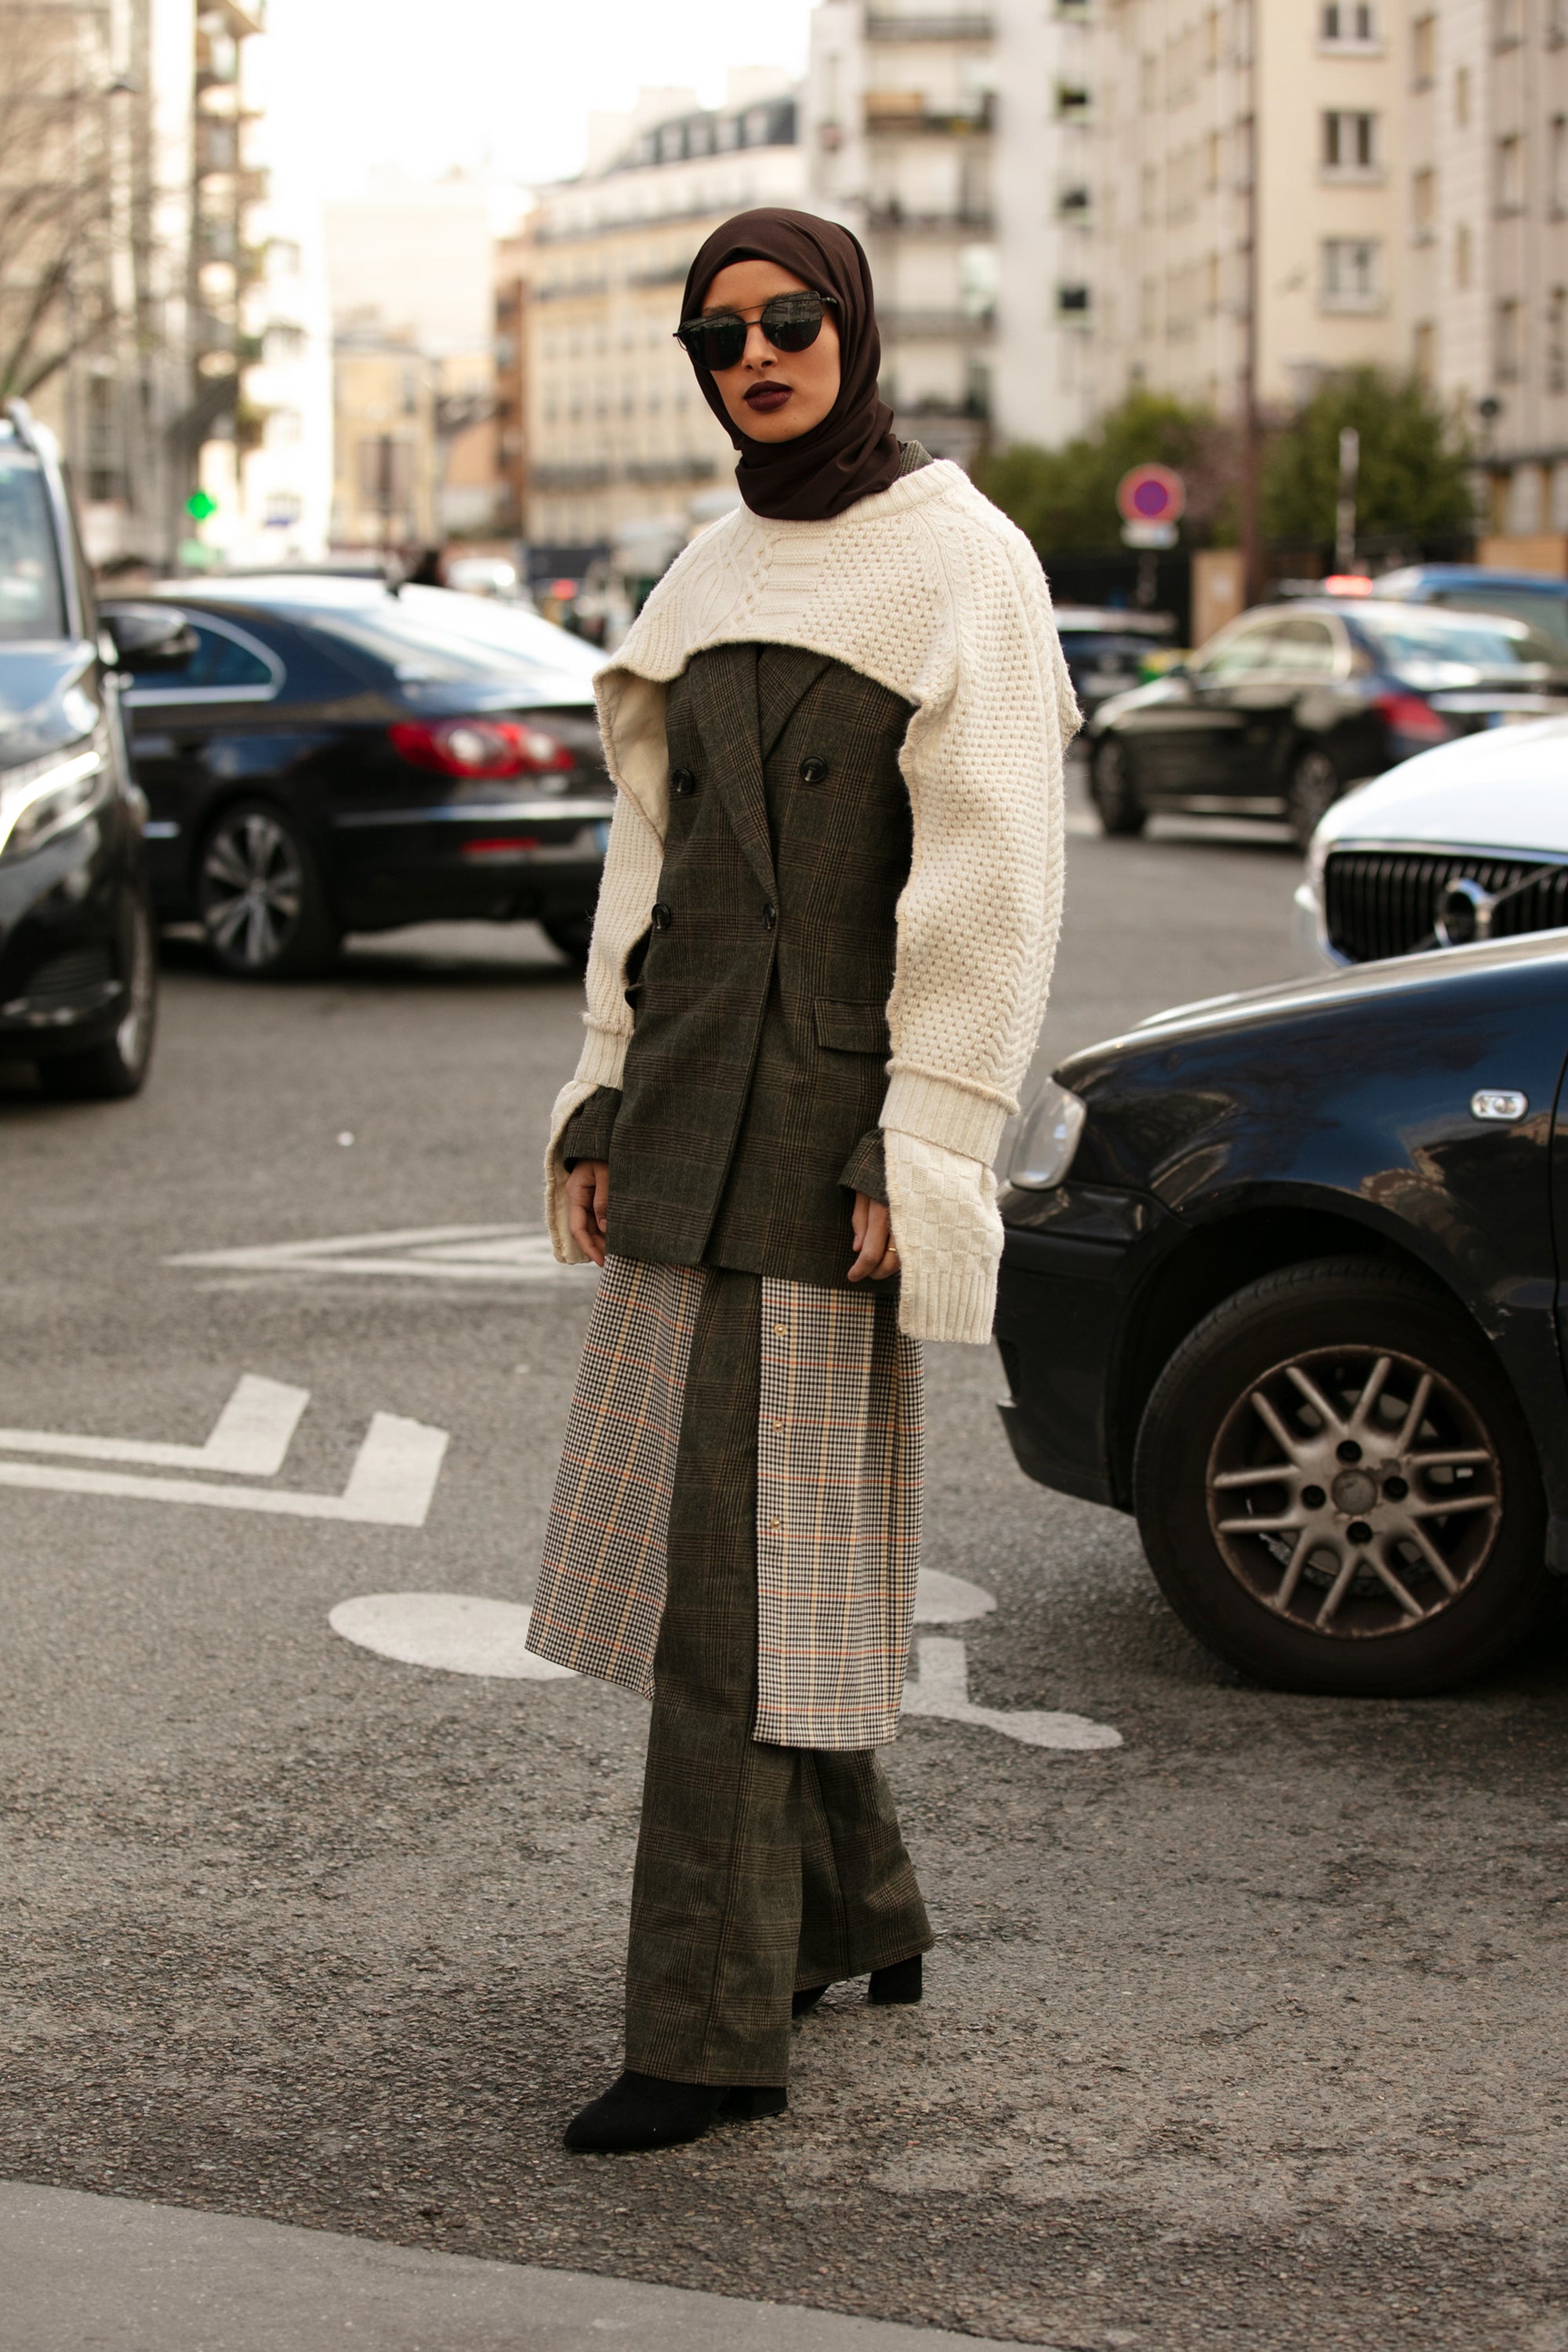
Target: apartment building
618, 435
129, 189
1486, 84
957, 144
1220, 122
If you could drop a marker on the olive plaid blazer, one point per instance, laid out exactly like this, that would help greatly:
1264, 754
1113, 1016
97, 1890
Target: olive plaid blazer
756, 1074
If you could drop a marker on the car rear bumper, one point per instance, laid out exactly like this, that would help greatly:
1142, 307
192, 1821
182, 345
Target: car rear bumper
452, 865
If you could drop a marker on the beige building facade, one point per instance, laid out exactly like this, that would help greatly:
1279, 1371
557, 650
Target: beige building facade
619, 436
1191, 101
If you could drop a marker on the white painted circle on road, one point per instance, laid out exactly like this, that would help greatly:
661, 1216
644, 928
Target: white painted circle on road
456, 1632
950, 1600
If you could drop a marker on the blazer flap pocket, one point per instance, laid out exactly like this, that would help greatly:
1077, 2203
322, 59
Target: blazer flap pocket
852, 1028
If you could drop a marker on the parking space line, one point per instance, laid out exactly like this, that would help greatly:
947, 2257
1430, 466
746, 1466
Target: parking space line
252, 1436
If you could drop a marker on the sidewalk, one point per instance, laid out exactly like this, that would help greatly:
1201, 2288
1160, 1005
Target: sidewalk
82, 2272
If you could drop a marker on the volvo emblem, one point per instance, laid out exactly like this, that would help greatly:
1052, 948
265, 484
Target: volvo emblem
1464, 913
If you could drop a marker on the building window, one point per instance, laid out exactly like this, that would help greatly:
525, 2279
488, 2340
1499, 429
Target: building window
1073, 102
1074, 203
1556, 28
1511, 174
1556, 355
1352, 279
1423, 52
1462, 96
1557, 166
1214, 151
1507, 22
1424, 205
1149, 82
1462, 256
1350, 145
1507, 343
1072, 302
1348, 25
1148, 194
1425, 352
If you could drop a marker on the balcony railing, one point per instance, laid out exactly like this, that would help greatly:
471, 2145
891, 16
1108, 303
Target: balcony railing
935, 326
909, 113
881, 26
893, 220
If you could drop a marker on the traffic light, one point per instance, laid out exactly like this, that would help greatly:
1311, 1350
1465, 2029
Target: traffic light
199, 505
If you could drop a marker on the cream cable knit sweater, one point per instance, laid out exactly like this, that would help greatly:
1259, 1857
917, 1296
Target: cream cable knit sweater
928, 589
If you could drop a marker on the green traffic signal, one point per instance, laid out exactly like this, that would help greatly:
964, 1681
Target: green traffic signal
199, 505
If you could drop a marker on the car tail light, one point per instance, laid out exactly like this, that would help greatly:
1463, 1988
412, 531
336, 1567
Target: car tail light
1416, 720
479, 747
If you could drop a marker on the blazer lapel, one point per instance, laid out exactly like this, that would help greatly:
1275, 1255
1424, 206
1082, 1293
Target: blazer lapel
785, 675
726, 712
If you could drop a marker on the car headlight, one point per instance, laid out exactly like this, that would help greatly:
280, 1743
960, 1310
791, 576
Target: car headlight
1046, 1138
44, 797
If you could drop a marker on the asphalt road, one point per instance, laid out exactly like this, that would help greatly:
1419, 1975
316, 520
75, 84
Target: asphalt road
1247, 2031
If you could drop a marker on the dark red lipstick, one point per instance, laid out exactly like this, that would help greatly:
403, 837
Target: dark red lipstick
767, 398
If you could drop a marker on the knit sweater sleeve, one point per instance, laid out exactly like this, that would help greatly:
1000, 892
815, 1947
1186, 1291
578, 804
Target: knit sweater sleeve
977, 923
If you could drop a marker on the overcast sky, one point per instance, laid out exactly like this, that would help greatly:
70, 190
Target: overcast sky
430, 83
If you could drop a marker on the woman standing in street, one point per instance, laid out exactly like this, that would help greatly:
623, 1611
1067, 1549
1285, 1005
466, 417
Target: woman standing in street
819, 963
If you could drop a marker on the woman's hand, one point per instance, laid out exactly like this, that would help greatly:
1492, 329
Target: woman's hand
588, 1206
875, 1257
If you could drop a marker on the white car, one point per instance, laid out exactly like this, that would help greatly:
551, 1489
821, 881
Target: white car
1468, 842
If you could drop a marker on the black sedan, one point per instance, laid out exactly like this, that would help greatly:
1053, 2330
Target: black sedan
1292, 704
338, 754
1281, 1278
79, 975
1106, 647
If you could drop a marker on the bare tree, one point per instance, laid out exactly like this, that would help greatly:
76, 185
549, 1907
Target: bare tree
56, 192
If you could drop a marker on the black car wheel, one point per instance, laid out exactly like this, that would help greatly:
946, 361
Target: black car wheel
572, 939
1313, 788
1336, 1489
119, 1067
262, 904
1112, 790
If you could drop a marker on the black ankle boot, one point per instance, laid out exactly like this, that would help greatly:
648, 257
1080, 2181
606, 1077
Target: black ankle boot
640, 2110
897, 1986
807, 1997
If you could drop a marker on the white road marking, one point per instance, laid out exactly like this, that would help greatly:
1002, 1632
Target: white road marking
456, 1632
252, 1436
942, 1689
391, 1485
442, 1253
950, 1600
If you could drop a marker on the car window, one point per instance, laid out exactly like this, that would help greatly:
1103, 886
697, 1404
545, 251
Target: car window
433, 635
31, 604
218, 661
1241, 653
1304, 648
1545, 614
1433, 649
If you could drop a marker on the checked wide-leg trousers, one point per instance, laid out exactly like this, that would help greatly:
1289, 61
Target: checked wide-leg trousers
759, 1869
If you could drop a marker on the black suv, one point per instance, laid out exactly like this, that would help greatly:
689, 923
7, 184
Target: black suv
79, 972
1281, 1277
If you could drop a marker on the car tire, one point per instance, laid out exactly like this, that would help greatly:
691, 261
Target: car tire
572, 939
1297, 1602
260, 895
1112, 790
109, 1072
1315, 785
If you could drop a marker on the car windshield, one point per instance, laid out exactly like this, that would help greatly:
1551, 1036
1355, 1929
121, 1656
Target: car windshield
1436, 649
435, 637
31, 603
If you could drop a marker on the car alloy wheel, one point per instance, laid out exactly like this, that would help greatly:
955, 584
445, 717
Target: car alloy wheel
262, 905
1314, 788
1353, 1492
1113, 792
1336, 1487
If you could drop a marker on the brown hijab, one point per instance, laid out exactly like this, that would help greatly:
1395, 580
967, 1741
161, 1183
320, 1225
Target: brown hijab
852, 452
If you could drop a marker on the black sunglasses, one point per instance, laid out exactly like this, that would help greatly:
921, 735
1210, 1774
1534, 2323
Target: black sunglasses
792, 322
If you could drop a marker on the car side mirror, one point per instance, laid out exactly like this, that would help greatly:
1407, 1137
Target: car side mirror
149, 636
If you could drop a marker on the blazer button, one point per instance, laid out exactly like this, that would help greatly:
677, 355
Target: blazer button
770, 914
814, 769
683, 781
662, 917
